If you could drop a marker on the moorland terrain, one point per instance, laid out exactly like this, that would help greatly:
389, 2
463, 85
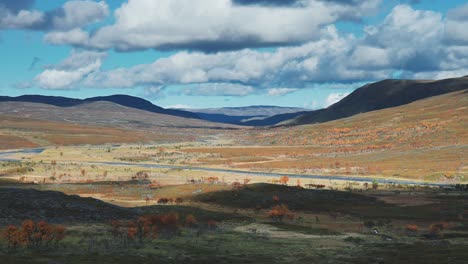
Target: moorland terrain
114, 183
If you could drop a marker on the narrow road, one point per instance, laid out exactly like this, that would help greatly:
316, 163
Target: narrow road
7, 156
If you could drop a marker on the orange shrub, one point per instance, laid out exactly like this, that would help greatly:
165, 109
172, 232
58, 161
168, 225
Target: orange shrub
278, 212
33, 235
412, 228
284, 180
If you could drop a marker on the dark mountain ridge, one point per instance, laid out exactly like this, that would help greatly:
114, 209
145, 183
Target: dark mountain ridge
370, 97
124, 100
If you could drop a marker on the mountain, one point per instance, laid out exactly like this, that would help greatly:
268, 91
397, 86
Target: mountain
124, 100
103, 113
423, 140
243, 115
254, 110
273, 120
370, 97
28, 125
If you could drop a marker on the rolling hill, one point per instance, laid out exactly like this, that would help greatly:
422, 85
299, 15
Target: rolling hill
18, 204
374, 96
123, 100
25, 125
426, 139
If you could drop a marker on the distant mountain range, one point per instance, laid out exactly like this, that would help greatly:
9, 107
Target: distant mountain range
124, 100
254, 110
370, 97
242, 115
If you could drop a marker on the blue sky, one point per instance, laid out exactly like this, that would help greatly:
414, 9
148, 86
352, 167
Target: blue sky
304, 53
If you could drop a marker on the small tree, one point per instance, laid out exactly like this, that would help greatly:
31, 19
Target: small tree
284, 180
278, 212
375, 184
11, 235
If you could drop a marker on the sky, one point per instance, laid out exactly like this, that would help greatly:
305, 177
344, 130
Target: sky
215, 53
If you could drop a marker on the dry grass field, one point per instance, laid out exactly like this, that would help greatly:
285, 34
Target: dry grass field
424, 140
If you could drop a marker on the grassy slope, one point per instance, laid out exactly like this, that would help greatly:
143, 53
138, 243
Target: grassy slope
19, 132
25, 125
381, 95
426, 139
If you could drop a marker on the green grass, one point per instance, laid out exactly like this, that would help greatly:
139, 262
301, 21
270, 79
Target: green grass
308, 230
210, 247
417, 253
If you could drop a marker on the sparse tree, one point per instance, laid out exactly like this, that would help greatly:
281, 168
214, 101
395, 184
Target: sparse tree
284, 180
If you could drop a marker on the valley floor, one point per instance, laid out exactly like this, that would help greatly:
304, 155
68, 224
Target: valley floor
387, 186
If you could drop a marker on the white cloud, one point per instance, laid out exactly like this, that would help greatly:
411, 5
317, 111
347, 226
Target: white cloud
70, 71
74, 37
408, 41
219, 24
280, 91
457, 24
22, 19
80, 13
334, 98
73, 14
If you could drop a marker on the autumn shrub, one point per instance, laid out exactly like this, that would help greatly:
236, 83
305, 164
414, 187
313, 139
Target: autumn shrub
33, 235
284, 180
412, 229
278, 212
236, 185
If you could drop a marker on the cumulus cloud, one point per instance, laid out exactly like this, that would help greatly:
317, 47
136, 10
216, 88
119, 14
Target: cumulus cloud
70, 71
73, 14
457, 24
22, 19
76, 14
409, 41
215, 25
75, 36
